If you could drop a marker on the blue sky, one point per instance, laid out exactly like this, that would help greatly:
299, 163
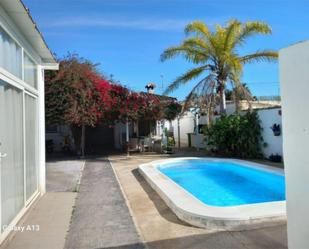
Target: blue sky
127, 36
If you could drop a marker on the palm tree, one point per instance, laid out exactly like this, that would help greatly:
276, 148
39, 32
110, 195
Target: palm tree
216, 56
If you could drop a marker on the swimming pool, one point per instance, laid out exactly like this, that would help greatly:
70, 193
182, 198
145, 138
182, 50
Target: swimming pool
217, 193
224, 183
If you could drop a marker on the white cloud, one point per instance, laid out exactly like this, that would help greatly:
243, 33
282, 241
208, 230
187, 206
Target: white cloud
142, 24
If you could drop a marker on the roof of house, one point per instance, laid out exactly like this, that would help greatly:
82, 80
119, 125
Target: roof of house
21, 17
159, 97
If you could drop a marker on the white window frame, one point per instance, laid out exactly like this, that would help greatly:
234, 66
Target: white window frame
21, 81
29, 200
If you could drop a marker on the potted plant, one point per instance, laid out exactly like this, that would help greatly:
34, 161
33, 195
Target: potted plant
276, 129
275, 158
168, 142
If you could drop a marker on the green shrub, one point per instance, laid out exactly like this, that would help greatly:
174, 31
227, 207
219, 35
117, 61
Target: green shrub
236, 136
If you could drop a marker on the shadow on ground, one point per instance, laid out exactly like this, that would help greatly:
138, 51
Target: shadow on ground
273, 238
160, 205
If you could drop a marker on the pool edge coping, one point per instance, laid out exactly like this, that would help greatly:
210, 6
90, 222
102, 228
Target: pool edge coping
191, 210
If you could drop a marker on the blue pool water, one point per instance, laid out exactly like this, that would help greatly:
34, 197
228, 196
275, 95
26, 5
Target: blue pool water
225, 183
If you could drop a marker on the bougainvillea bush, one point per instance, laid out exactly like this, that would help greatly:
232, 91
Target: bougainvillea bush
79, 96
119, 104
71, 97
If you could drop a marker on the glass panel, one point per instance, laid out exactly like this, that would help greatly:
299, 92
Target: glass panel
10, 54
30, 71
11, 139
31, 145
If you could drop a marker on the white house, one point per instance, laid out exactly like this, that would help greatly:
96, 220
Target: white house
24, 56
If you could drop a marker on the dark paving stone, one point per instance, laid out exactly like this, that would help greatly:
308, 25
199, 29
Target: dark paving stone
101, 218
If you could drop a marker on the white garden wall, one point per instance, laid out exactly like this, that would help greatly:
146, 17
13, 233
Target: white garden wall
187, 124
269, 117
294, 79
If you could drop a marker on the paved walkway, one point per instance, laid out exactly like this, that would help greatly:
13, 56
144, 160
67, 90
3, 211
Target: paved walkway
160, 227
52, 212
101, 217
63, 175
49, 221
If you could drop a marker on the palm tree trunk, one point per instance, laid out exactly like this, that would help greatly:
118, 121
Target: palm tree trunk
209, 116
222, 101
236, 101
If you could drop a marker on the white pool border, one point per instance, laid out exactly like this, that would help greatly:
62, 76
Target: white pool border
191, 210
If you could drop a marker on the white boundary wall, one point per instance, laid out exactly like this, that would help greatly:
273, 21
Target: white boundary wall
268, 118
294, 78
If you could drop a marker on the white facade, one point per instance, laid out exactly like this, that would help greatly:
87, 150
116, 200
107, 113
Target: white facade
294, 78
23, 58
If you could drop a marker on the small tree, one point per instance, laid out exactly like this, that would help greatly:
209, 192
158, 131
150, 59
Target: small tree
71, 97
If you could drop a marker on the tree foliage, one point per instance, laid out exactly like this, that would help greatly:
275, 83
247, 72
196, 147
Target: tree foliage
70, 95
171, 110
119, 104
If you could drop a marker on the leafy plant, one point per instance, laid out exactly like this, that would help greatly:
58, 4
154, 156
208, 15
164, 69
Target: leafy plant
170, 141
236, 135
275, 158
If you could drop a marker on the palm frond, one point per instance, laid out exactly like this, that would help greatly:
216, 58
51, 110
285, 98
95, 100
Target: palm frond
260, 56
202, 95
189, 75
192, 54
232, 64
198, 28
196, 43
231, 30
240, 92
252, 28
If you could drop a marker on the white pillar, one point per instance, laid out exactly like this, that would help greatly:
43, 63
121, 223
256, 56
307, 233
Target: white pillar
294, 79
178, 130
127, 136
41, 116
197, 140
127, 131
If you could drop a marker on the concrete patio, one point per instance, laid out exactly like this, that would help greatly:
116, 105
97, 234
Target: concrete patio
119, 211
